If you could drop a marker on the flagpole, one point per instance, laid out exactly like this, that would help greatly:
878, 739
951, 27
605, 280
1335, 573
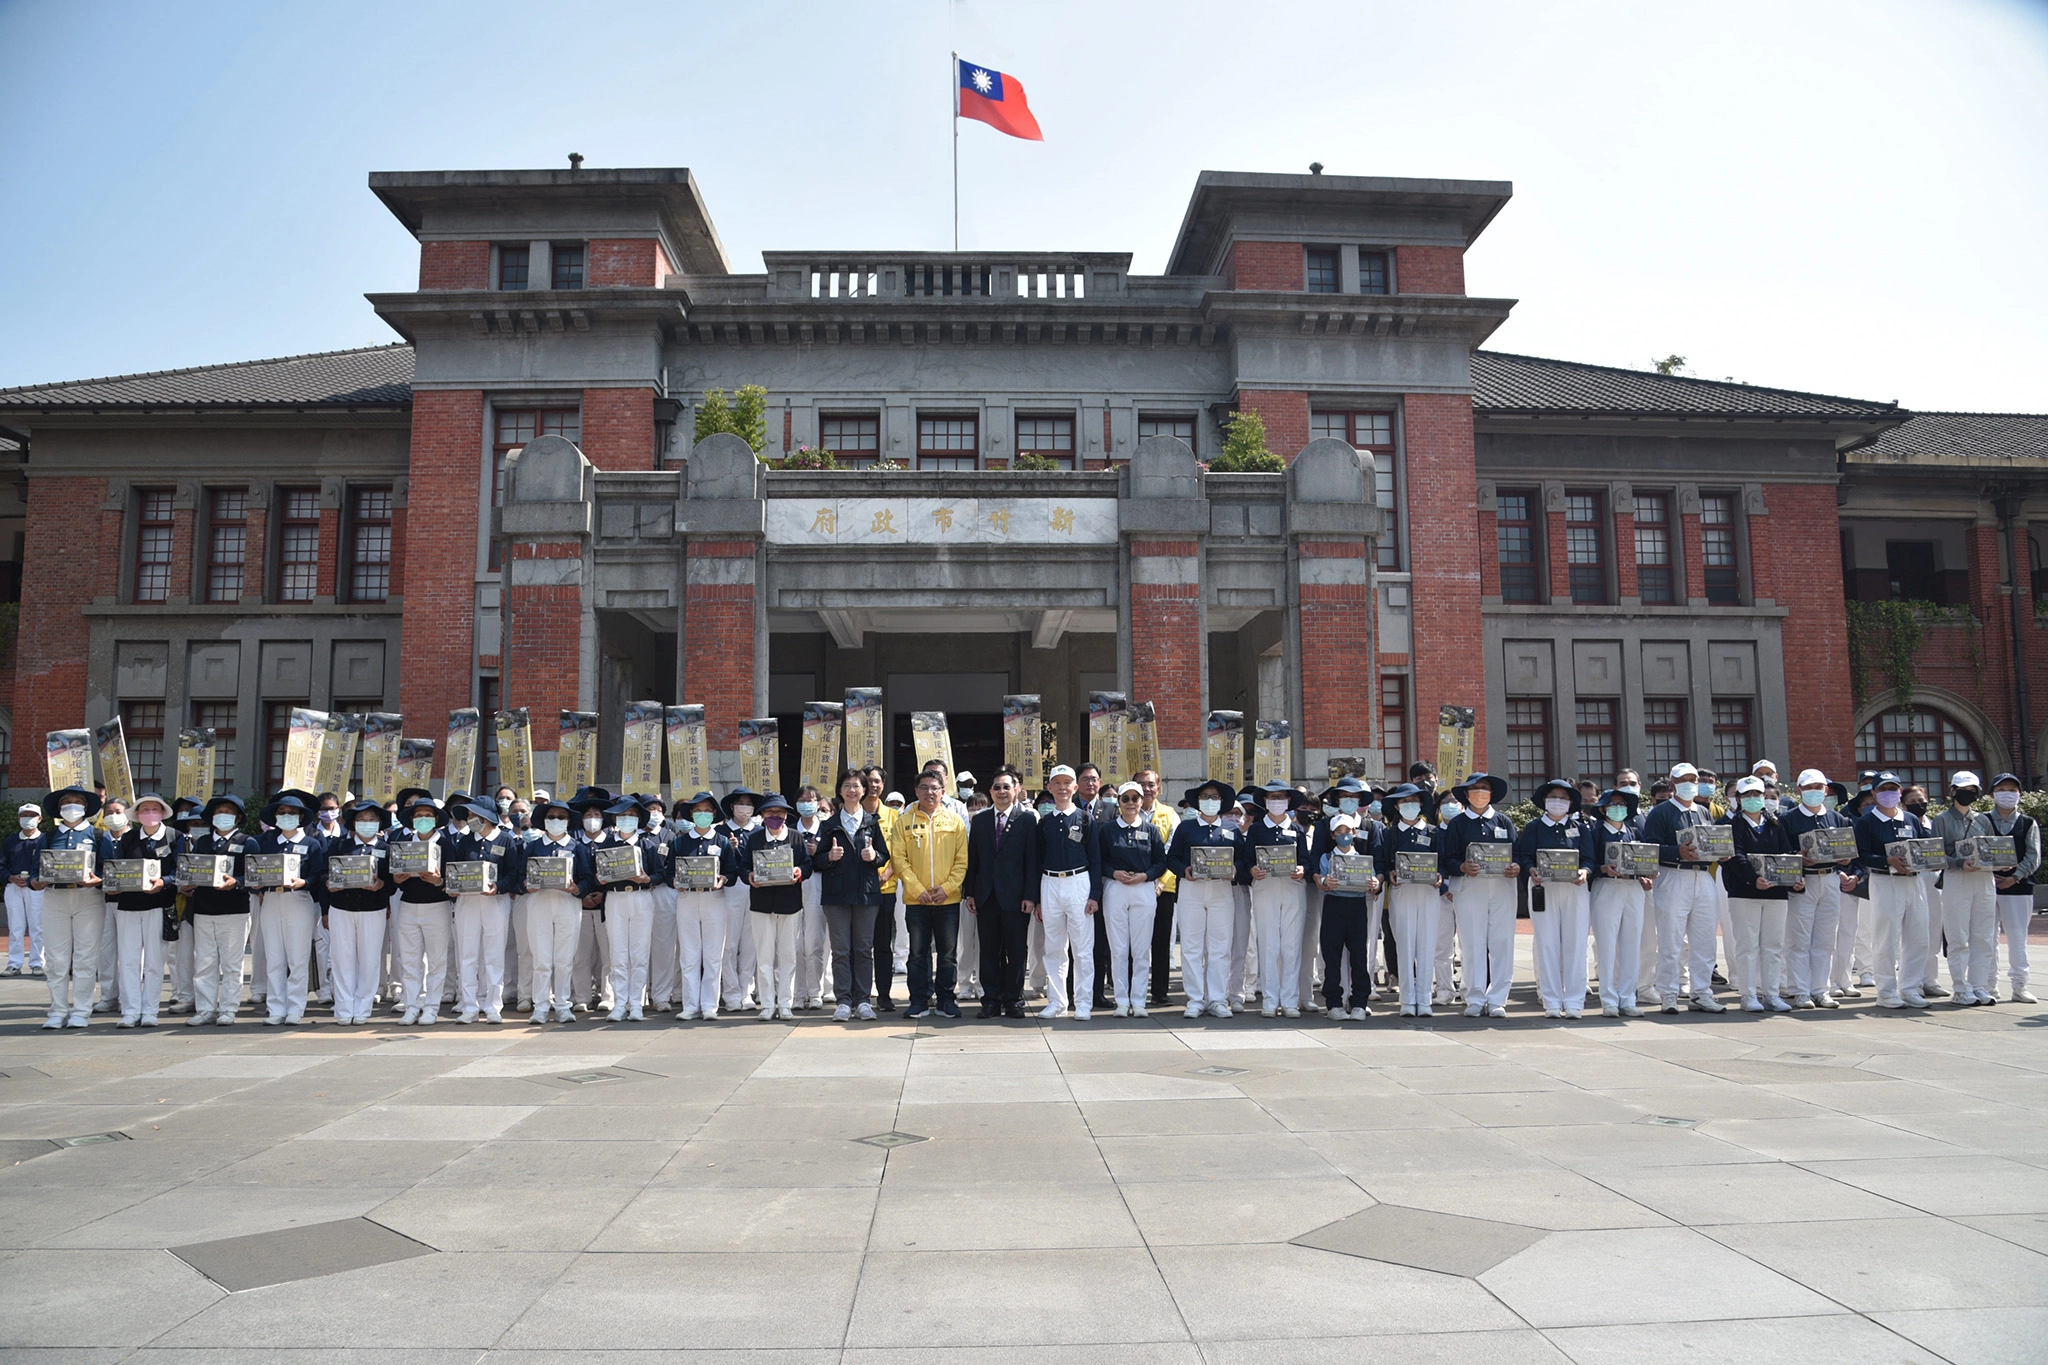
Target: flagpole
955, 64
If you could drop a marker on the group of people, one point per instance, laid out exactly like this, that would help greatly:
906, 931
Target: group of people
608, 904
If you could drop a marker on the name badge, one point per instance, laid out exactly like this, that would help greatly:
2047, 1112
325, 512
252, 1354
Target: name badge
1074, 832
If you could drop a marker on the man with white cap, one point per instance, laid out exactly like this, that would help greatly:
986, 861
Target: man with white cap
1069, 896
1897, 893
22, 855
1688, 897
1813, 912
1969, 899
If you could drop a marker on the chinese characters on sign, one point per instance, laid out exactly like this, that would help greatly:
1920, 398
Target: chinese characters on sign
935, 521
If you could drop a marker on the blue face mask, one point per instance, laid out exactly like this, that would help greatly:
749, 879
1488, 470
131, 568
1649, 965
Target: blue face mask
224, 822
807, 808
1447, 810
1348, 805
423, 824
1045, 808
703, 819
1813, 800
1373, 809
1411, 811
287, 822
1342, 838
626, 824
1706, 791
367, 830
1752, 804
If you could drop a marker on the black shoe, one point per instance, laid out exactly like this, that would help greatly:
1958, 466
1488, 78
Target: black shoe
950, 1010
988, 1012
1720, 980
886, 1007
1013, 1011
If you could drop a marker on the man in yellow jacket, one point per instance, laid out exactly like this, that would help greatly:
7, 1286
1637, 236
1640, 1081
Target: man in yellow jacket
929, 851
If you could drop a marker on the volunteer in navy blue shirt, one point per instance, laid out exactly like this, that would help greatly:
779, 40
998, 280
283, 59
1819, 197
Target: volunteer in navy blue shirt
1898, 895
1560, 911
1349, 923
1279, 903
1618, 901
1133, 858
1687, 895
1484, 905
21, 857
1206, 907
1413, 905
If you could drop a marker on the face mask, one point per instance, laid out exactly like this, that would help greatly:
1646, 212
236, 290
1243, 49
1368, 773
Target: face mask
71, 814
423, 825
773, 819
1343, 838
151, 821
1813, 800
1447, 809
741, 814
1557, 806
1888, 799
482, 828
1706, 791
1617, 814
1917, 807
224, 822
117, 821
1373, 809
1328, 810
287, 822
330, 817
1046, 808
593, 823
1348, 804
1633, 790
1411, 811
1752, 804
1833, 802
2006, 800
963, 791
703, 819
627, 824
1211, 809
366, 830
29, 822
522, 819
655, 819
1277, 809
1686, 791
807, 808
1966, 797
557, 827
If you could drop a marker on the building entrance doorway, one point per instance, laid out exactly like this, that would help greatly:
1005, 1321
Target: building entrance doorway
977, 748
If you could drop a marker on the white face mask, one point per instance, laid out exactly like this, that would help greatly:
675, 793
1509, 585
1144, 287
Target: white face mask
224, 822
742, 813
1277, 809
1212, 808
1686, 791
71, 814
626, 824
2006, 800
117, 821
557, 827
655, 819
1557, 806
1411, 811
593, 823
287, 822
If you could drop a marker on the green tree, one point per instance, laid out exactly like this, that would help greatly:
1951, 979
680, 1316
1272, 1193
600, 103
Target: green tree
745, 415
1671, 364
1244, 448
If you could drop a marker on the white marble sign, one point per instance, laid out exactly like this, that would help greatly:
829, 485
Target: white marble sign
942, 521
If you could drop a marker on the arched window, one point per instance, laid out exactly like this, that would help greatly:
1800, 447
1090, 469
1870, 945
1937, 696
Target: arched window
1921, 745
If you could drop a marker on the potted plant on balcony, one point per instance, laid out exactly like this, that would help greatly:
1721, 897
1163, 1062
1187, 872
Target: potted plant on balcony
809, 457
1244, 448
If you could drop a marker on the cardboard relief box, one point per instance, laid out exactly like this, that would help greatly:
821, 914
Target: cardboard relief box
1778, 869
132, 876
1212, 862
1829, 845
617, 862
697, 872
551, 874
474, 878
416, 857
353, 872
1920, 855
205, 870
1632, 859
1493, 856
1415, 868
1707, 842
1352, 871
1558, 864
1987, 853
65, 866
774, 866
1277, 859
268, 871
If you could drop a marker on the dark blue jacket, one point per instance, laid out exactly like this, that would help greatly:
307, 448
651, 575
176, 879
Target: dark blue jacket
163, 848
1426, 837
788, 898
418, 890
1540, 833
1365, 843
357, 899
312, 851
1467, 829
1598, 837
1062, 849
1661, 824
718, 844
1263, 835
581, 869
1739, 875
1799, 820
207, 900
852, 880
505, 848
1194, 833
1120, 848
1873, 832
22, 854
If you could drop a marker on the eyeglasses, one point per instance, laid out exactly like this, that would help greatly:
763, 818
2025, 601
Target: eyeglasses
1130, 796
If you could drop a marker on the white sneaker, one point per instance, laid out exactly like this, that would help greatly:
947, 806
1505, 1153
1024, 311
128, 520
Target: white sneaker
1475, 1010
538, 1017
1407, 1011
1359, 1013
684, 1016
1866, 979
127, 1022
1574, 1012
618, 1015
840, 1015
866, 1011
1268, 1010
1752, 1005
1219, 1011
1081, 1016
82, 1021
466, 1017
1049, 1012
1669, 1007
1120, 1012
1826, 1001
1914, 999
1553, 1012
767, 1014
711, 1016
1139, 1012
1776, 1004
1496, 1011
786, 1014
2022, 996
634, 1016
1707, 1004
1610, 1011
1193, 1011
1286, 1013
196, 1020
429, 1017
409, 1018
1631, 1011
563, 1016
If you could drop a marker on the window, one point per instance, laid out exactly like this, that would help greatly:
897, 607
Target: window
1049, 437
277, 731
856, 438
1373, 433
1322, 270
1584, 540
227, 543
1180, 428
1731, 735
1910, 567
948, 442
1393, 724
1922, 746
1663, 734
153, 546
517, 426
1653, 550
142, 725
298, 545
1717, 547
512, 265
1596, 740
1514, 534
567, 261
1528, 744
219, 717
369, 550
1372, 272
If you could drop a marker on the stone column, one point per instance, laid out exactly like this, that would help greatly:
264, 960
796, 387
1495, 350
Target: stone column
1163, 517
725, 645
1332, 526
546, 525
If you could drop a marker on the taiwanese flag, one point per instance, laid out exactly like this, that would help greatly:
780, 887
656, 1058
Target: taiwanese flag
997, 100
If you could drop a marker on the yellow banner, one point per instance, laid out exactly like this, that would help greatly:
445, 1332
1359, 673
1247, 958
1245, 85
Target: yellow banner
1270, 751
513, 731
302, 749
761, 754
338, 752
67, 754
1456, 727
1223, 740
640, 750
415, 766
381, 732
1141, 739
1024, 738
576, 754
195, 764
823, 720
689, 758
1106, 714
112, 744
930, 739
465, 736
864, 727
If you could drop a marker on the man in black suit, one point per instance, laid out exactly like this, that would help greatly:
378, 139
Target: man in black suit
1002, 874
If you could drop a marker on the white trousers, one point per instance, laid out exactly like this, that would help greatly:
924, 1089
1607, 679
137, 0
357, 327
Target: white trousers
554, 920
422, 931
1812, 921
1279, 910
700, 948
178, 965
661, 953
287, 918
1900, 905
1130, 911
110, 953
590, 967
1416, 911
1646, 968
1617, 910
1757, 950
1937, 922
139, 962
629, 926
1204, 915
1485, 907
1063, 906
1969, 915
814, 944
1560, 934
73, 917
774, 959
1864, 959
24, 926
355, 947
1688, 909
2015, 913
737, 972
522, 950
218, 942
1244, 948
1311, 968
481, 926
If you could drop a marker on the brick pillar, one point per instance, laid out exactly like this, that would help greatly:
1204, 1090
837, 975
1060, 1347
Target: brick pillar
330, 550
1166, 637
542, 649
1339, 673
1266, 265
719, 661
1993, 690
70, 548
618, 428
1626, 583
439, 632
254, 553
455, 265
1554, 549
1442, 531
1816, 629
1429, 270
1285, 414
1694, 556
183, 527
1489, 547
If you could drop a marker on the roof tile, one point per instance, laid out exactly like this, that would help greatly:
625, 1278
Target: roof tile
367, 376
1505, 383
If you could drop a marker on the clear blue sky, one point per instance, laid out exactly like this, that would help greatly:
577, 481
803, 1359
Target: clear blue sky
1843, 197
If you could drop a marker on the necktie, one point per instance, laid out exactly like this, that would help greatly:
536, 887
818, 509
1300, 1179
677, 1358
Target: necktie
999, 831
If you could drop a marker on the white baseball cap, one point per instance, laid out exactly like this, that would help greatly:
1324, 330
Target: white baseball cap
1130, 789
1679, 770
1809, 776
1752, 783
1062, 770
1344, 820
1761, 764
28, 808
1966, 778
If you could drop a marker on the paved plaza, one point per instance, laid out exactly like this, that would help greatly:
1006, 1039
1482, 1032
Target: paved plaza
1861, 1185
